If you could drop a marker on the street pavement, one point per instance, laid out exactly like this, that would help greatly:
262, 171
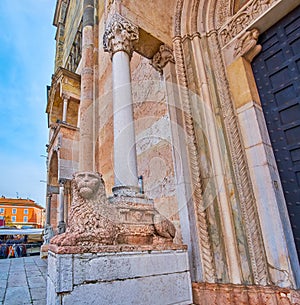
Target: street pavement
23, 281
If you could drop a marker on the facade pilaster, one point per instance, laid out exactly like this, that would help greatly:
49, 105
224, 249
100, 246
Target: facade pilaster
86, 147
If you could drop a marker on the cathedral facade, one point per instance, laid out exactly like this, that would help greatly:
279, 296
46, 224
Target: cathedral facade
196, 105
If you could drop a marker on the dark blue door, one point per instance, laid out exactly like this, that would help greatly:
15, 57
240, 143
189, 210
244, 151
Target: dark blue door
277, 73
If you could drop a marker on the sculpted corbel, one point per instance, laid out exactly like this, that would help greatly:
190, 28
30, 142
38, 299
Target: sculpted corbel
162, 57
247, 46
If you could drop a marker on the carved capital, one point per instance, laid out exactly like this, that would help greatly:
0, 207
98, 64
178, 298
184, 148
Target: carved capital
65, 96
120, 35
162, 57
247, 45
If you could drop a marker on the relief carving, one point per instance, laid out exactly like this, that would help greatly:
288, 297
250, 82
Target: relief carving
75, 52
162, 57
120, 35
95, 221
201, 214
47, 234
109, 3
247, 45
222, 12
243, 18
240, 168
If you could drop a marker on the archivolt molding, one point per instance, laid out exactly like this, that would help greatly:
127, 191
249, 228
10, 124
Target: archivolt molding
242, 176
244, 186
223, 12
178, 15
201, 215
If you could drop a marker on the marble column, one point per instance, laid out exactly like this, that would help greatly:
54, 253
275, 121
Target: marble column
61, 220
118, 40
65, 108
86, 146
48, 211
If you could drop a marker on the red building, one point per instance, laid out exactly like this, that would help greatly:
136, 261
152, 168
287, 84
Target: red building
2, 221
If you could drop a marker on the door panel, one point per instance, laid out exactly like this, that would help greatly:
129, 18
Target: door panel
277, 73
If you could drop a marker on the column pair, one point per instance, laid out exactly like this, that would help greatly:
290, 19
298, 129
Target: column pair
119, 39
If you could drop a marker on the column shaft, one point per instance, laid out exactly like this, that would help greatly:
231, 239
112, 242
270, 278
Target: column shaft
61, 204
118, 39
48, 211
65, 108
125, 165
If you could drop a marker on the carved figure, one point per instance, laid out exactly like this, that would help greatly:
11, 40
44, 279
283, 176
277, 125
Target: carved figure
94, 221
247, 45
162, 57
90, 220
48, 234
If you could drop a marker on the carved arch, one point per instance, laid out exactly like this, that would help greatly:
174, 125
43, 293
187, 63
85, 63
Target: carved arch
200, 16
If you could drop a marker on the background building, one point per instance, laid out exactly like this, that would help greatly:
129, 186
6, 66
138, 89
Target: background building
22, 212
214, 90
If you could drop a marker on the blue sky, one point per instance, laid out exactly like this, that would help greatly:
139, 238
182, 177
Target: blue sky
27, 50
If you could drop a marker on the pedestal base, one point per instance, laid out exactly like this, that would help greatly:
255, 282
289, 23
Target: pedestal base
229, 294
138, 277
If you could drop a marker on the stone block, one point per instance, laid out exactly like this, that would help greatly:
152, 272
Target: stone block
60, 272
249, 124
137, 277
119, 266
154, 290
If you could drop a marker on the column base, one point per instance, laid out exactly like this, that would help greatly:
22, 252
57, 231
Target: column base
229, 294
137, 277
127, 191
139, 219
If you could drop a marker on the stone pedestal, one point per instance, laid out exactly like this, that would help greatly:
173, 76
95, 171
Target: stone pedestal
137, 275
116, 251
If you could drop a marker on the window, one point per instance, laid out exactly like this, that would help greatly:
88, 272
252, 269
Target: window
25, 219
25, 211
1, 210
13, 218
14, 211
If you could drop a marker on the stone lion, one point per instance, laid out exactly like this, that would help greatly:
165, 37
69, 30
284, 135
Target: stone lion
94, 221
91, 221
